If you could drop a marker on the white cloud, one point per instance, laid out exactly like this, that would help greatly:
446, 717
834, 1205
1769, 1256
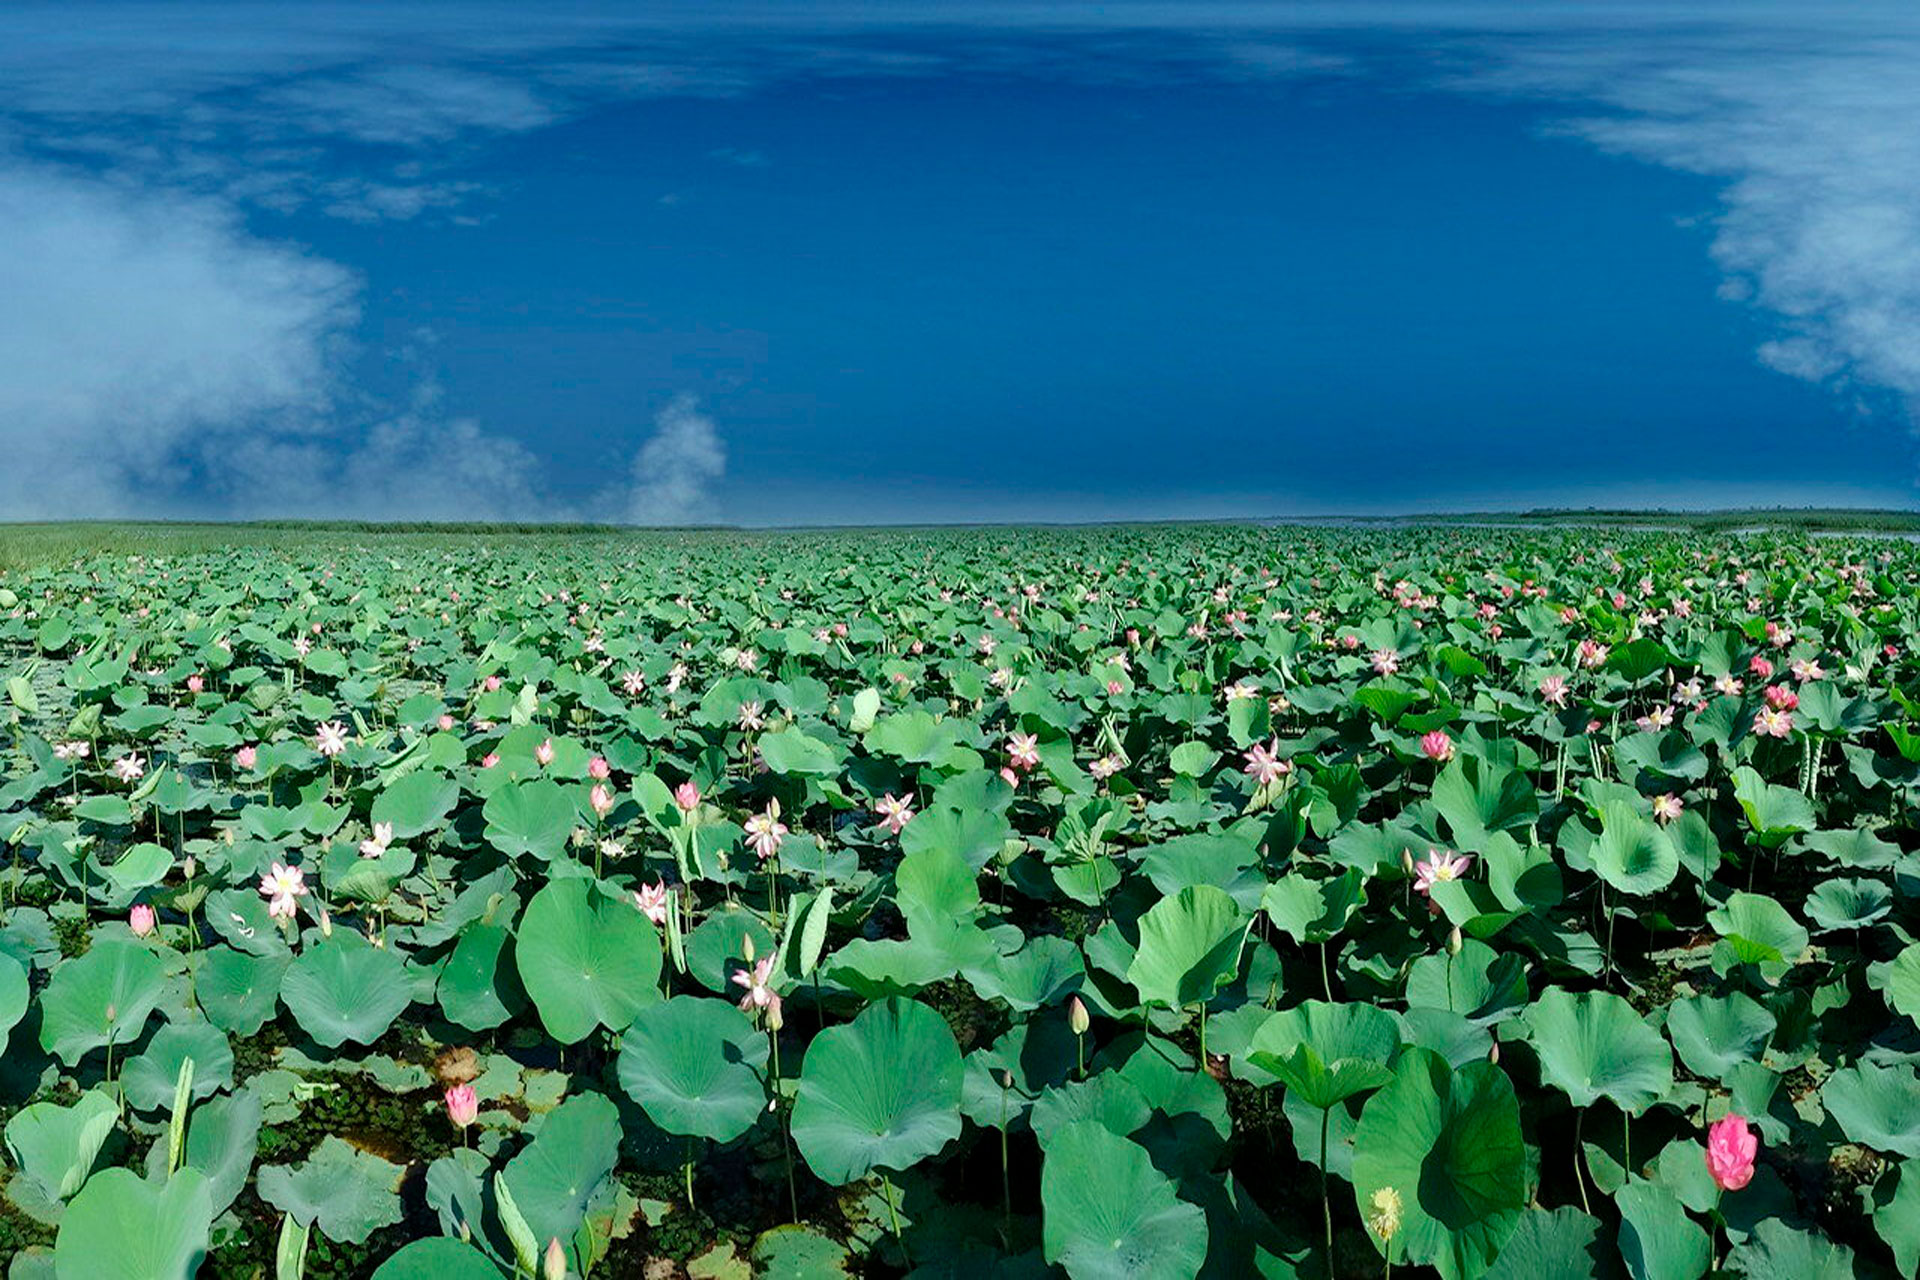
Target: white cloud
675, 470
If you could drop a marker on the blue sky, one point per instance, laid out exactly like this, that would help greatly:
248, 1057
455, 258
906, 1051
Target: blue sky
846, 263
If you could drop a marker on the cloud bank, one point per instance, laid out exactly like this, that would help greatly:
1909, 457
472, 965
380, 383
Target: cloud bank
155, 345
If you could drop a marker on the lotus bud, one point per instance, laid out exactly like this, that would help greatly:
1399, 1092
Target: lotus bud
140, 920
1406, 861
463, 1105
746, 948
555, 1266
1077, 1017
1493, 1054
775, 1019
189, 868
326, 923
1454, 941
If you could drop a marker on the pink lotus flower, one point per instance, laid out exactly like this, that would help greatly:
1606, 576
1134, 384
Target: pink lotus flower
543, 754
446, 723
554, 1265
765, 831
601, 799
599, 768
1773, 723
1731, 1148
489, 760
492, 684
894, 812
652, 901
757, 981
686, 797
634, 683
1386, 661
1806, 670
283, 887
330, 738
1023, 751
196, 683
1436, 746
141, 920
1553, 691
1759, 666
1781, 698
463, 1105
1009, 777
246, 757
1440, 865
1263, 766
1592, 654
1666, 807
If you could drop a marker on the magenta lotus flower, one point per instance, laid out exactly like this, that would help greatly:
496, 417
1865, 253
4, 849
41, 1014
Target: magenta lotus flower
1731, 1148
463, 1105
1436, 746
1781, 698
686, 797
1440, 865
489, 760
599, 768
141, 920
283, 887
1759, 666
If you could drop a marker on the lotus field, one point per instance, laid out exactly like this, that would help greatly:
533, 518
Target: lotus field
1154, 903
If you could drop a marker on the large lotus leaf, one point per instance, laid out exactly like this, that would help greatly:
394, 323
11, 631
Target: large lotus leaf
417, 803
223, 1137
1045, 971
56, 1146
1896, 1216
557, 1176
585, 961
1480, 984
1326, 1053
1595, 1045
974, 836
1899, 980
476, 990
1555, 1244
345, 1193
101, 997
1756, 930
1447, 1143
438, 1258
1777, 1251
1632, 854
791, 751
1189, 948
14, 996
345, 988
697, 1067
1004, 1080
150, 1078
883, 1091
717, 947
238, 991
530, 817
1478, 797
1110, 1215
1876, 1106
1848, 904
130, 1229
1314, 910
1715, 1033
1658, 1241
1774, 813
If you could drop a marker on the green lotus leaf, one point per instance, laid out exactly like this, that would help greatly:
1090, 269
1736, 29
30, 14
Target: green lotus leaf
1595, 1045
880, 1092
1189, 948
696, 1065
534, 817
1876, 1106
345, 988
101, 997
341, 1191
1658, 1241
1326, 1053
437, 1258
1108, 1214
122, 1226
1713, 1034
586, 961
56, 1146
558, 1175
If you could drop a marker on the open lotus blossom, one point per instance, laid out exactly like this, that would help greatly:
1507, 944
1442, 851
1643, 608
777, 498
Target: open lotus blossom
330, 738
765, 831
751, 720
1385, 661
463, 1105
376, 844
633, 683
894, 812
1666, 807
77, 750
653, 901
130, 767
1806, 670
1439, 865
1553, 691
543, 754
1658, 718
246, 757
1773, 723
1263, 766
283, 887
1023, 751
1781, 698
1729, 685
686, 797
1592, 654
1384, 1212
141, 920
1731, 1148
1105, 767
758, 983
1436, 746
